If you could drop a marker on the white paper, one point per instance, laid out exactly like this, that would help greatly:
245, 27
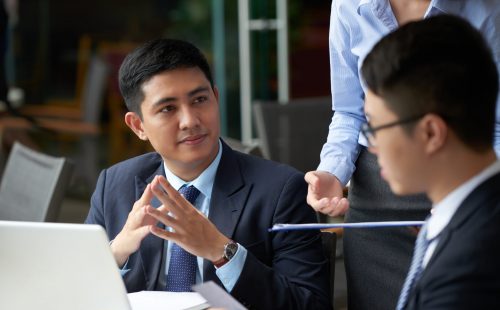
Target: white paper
280, 227
217, 297
157, 300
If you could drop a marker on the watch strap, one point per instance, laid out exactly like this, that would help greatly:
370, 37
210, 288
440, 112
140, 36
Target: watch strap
224, 259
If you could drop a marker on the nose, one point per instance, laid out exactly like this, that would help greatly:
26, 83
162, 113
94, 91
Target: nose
188, 118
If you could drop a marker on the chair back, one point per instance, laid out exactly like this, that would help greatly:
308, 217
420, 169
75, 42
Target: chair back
94, 89
237, 145
293, 133
33, 185
329, 240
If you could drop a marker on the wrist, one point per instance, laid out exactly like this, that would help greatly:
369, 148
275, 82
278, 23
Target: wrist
230, 249
119, 253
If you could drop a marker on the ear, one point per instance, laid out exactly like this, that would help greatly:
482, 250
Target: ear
216, 94
434, 133
134, 122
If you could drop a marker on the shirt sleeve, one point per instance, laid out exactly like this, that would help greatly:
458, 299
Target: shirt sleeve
341, 149
124, 269
231, 271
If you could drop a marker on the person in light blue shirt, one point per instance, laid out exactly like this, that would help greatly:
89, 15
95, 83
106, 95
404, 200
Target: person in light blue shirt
376, 260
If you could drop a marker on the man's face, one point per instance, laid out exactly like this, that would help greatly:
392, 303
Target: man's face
180, 118
400, 156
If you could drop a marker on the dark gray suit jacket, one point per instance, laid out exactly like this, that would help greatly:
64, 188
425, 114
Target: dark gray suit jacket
284, 270
464, 272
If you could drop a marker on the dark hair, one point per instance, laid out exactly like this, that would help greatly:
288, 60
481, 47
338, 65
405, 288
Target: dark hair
152, 58
438, 65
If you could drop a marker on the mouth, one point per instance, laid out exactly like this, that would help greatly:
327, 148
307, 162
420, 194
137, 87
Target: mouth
193, 140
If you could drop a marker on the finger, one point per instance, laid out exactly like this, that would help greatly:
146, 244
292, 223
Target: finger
344, 202
312, 179
338, 207
162, 195
320, 205
146, 198
162, 233
179, 201
143, 231
167, 220
136, 217
163, 208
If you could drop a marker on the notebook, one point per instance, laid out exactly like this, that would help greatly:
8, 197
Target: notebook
58, 266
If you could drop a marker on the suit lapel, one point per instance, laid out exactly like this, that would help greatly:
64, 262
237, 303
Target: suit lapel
229, 196
472, 202
151, 249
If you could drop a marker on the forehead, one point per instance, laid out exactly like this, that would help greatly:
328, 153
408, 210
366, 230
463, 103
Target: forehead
176, 78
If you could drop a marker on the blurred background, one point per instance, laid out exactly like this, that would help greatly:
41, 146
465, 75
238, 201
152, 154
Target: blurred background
62, 59
269, 60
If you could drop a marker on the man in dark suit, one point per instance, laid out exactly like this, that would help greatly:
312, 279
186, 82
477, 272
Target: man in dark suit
432, 89
218, 228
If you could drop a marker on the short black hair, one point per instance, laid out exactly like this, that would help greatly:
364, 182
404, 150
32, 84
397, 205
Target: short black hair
152, 58
438, 65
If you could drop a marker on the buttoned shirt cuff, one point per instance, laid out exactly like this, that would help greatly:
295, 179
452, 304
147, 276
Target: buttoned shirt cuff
339, 154
124, 269
337, 169
231, 271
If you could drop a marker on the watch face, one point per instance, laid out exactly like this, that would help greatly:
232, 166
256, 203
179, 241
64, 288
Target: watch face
230, 250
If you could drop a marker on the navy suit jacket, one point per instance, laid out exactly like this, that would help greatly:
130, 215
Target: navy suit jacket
464, 272
284, 270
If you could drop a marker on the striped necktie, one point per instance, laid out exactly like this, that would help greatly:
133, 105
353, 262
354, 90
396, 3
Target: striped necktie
416, 267
182, 268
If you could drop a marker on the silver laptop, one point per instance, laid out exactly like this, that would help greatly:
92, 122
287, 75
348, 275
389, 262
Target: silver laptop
58, 266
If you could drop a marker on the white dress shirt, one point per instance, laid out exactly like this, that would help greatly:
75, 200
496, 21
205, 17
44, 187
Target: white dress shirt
443, 211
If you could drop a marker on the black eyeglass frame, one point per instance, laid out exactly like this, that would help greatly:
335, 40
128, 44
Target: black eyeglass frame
369, 132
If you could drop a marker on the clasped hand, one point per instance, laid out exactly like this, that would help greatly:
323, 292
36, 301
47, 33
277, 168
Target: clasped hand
191, 230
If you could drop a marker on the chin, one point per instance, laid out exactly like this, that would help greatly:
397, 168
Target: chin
399, 189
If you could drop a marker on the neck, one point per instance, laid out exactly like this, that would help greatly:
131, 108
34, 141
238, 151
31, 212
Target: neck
409, 10
455, 169
188, 171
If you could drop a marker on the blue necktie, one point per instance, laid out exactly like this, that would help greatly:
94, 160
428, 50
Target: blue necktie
416, 267
182, 268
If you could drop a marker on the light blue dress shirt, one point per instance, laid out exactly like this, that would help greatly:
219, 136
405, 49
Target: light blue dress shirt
230, 272
355, 27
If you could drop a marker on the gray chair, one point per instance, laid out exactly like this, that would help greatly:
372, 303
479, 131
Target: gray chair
33, 185
329, 240
239, 146
293, 133
78, 122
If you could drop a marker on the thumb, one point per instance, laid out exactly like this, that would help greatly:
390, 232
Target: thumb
143, 231
312, 179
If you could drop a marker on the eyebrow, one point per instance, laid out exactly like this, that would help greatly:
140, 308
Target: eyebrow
192, 93
198, 90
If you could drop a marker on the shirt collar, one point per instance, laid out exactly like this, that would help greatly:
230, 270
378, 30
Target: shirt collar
443, 211
204, 182
382, 8
444, 7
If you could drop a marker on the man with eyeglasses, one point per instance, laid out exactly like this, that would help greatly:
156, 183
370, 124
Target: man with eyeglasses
376, 260
430, 105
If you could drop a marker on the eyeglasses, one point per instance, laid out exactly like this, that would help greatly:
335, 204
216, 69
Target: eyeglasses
369, 132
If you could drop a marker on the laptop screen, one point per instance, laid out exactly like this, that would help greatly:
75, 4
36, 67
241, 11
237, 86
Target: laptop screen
58, 266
